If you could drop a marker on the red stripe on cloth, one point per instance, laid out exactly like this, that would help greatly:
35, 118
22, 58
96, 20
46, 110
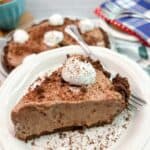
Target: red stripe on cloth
119, 25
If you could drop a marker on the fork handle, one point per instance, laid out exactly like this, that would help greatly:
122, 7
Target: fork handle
134, 16
72, 30
141, 17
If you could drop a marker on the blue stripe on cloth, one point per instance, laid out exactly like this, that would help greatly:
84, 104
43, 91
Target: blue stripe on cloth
138, 8
144, 3
141, 26
144, 29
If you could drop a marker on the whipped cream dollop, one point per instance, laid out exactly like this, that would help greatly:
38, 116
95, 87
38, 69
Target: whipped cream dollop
20, 36
52, 38
56, 20
78, 72
86, 25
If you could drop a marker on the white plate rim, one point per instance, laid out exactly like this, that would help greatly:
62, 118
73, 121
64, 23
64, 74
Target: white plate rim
24, 68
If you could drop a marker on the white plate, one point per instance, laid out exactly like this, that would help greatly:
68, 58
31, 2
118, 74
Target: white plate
134, 137
3, 43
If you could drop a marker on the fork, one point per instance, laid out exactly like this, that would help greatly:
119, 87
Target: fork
127, 13
135, 102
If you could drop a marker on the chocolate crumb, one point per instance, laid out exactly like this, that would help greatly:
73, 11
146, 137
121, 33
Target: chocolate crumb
62, 144
81, 131
62, 135
107, 136
41, 96
39, 90
68, 55
124, 126
83, 89
127, 118
91, 142
33, 143
49, 148
48, 142
102, 147
70, 141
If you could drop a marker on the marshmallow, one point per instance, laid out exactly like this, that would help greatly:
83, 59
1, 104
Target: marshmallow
20, 36
52, 38
56, 20
86, 25
77, 72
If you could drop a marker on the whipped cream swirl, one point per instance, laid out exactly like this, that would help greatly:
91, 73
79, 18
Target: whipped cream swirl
52, 38
77, 72
56, 20
20, 36
86, 25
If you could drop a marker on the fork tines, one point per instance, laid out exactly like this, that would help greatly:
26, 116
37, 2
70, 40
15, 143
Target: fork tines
136, 101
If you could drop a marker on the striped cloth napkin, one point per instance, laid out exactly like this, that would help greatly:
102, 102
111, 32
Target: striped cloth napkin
137, 51
140, 28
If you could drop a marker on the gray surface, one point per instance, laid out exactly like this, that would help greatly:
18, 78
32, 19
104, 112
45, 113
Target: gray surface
40, 8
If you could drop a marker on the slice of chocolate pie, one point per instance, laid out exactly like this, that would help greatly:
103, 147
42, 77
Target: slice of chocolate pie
47, 35
77, 94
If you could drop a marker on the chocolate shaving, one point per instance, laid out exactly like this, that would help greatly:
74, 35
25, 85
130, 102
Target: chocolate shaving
84, 89
39, 90
97, 64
